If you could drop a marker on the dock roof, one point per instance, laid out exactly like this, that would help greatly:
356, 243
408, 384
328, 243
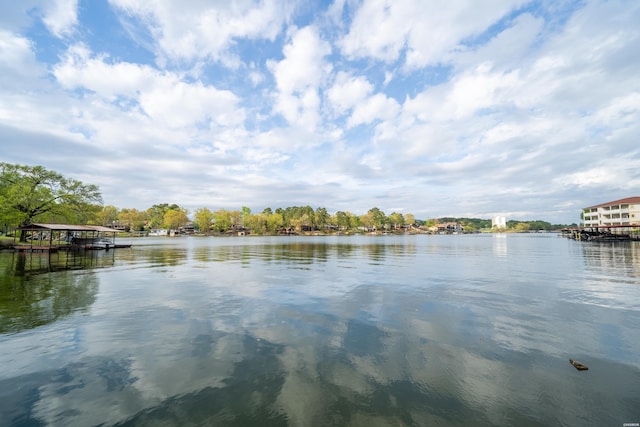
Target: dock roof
68, 227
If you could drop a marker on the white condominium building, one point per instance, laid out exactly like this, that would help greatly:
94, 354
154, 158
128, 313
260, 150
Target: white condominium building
618, 212
499, 221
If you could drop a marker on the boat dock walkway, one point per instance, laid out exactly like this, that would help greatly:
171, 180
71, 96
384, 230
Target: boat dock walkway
35, 248
56, 248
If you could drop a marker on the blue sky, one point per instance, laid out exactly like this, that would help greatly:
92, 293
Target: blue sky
528, 109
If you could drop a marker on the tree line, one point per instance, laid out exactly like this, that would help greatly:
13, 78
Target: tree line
269, 221
31, 194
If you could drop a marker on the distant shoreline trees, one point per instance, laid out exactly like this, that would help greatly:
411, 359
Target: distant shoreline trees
303, 219
269, 221
33, 194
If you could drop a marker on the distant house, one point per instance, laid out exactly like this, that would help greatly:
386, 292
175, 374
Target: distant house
498, 222
618, 212
119, 225
447, 227
189, 228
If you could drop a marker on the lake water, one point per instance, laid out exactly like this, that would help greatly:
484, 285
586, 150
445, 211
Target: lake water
323, 331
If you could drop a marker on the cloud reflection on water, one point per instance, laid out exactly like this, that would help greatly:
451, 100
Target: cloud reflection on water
208, 340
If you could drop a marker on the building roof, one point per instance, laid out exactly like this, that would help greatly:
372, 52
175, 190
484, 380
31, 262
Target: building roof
68, 227
628, 200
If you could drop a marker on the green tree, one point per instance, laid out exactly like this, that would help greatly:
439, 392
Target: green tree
84, 213
308, 216
354, 220
246, 216
322, 217
274, 222
236, 218
257, 223
522, 227
540, 225
342, 220
222, 220
203, 219
396, 220
175, 218
469, 226
298, 221
155, 214
283, 214
133, 218
107, 215
378, 218
409, 219
367, 220
32, 193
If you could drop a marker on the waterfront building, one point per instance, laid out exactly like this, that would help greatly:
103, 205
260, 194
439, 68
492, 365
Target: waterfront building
618, 212
498, 222
447, 228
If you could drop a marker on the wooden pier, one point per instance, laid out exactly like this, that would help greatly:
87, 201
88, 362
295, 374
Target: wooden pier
604, 233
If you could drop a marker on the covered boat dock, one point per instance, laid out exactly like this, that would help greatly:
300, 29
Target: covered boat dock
604, 232
54, 237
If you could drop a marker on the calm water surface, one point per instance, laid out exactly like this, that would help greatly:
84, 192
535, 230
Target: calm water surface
323, 331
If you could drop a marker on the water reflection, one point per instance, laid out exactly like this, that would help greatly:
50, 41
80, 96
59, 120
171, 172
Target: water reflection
27, 264
357, 332
375, 377
154, 256
246, 397
613, 256
500, 244
32, 294
300, 252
